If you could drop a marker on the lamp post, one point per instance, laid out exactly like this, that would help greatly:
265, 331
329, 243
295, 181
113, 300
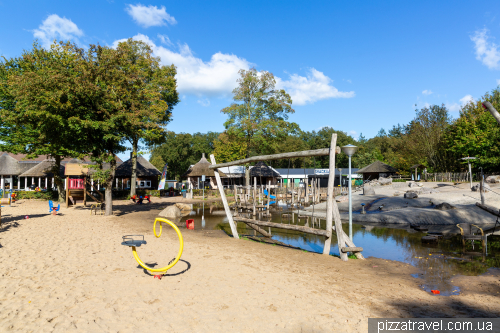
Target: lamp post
470, 170
349, 150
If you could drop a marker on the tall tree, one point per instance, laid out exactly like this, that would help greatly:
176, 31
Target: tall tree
152, 83
37, 106
261, 112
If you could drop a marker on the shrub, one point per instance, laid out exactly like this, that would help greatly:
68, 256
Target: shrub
46, 195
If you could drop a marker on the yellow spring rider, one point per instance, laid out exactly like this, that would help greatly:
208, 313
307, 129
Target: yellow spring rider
134, 242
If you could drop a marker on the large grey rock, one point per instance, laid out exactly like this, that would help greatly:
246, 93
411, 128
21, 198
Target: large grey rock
444, 206
415, 184
171, 212
411, 195
486, 188
493, 179
368, 190
385, 181
342, 198
428, 190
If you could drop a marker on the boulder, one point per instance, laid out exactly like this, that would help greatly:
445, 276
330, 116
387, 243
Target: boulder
397, 194
182, 206
415, 184
368, 190
428, 190
493, 179
486, 187
411, 195
385, 181
171, 212
342, 198
444, 206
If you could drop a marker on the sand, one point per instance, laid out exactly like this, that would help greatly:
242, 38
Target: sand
69, 273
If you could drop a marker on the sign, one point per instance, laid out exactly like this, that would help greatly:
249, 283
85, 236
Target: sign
321, 171
202, 178
161, 186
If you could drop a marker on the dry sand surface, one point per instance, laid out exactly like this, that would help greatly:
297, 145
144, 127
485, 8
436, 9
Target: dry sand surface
69, 273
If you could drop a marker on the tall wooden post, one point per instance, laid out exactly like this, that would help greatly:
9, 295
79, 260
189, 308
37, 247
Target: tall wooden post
254, 195
330, 207
229, 215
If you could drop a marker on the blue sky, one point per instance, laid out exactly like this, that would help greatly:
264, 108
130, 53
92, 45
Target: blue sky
354, 66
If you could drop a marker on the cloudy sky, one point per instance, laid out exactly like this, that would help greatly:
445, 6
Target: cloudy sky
354, 66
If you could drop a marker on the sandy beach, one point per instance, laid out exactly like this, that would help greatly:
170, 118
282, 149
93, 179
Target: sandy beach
69, 273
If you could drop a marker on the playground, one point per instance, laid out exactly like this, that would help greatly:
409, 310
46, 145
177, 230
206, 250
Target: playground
69, 272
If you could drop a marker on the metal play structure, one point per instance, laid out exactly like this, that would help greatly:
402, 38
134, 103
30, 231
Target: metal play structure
135, 241
345, 245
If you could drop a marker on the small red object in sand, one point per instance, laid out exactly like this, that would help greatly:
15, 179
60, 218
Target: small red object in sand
190, 224
158, 277
435, 291
26, 217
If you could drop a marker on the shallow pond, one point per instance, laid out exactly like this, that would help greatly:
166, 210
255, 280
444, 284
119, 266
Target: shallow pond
438, 263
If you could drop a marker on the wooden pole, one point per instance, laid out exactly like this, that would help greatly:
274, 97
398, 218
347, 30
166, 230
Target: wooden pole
304, 153
259, 230
234, 231
488, 209
329, 207
283, 226
254, 194
481, 187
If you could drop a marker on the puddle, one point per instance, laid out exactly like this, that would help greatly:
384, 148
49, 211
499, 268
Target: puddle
438, 264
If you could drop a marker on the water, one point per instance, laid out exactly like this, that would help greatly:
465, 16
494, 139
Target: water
438, 263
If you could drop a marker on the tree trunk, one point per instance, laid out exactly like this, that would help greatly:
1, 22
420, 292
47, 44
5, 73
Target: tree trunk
134, 166
61, 193
109, 184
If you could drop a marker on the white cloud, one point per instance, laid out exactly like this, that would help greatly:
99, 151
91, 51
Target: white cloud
426, 92
150, 16
204, 102
194, 76
455, 107
218, 76
486, 51
165, 40
56, 27
314, 87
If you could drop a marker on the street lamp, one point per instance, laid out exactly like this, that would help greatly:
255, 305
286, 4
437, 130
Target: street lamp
470, 170
349, 150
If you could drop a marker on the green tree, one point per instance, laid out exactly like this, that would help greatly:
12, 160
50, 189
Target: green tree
476, 133
38, 107
152, 97
261, 115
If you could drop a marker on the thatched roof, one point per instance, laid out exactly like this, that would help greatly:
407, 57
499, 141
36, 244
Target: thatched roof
8, 165
377, 166
261, 169
144, 168
43, 169
201, 168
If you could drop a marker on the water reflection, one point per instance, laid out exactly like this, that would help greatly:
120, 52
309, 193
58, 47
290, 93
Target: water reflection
438, 263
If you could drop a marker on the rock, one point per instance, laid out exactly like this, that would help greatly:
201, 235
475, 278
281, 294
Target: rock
385, 181
428, 190
342, 198
368, 190
411, 195
493, 179
397, 194
486, 188
444, 206
171, 212
415, 184
182, 206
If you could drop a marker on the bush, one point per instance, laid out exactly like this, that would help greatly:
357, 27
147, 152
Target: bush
47, 195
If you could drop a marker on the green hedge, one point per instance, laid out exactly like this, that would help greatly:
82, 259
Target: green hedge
48, 195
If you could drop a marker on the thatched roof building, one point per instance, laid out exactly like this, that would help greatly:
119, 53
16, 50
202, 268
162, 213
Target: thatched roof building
144, 168
42, 169
376, 170
261, 169
8, 165
201, 168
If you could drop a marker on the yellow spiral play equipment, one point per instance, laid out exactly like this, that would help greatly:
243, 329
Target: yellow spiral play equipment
134, 243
